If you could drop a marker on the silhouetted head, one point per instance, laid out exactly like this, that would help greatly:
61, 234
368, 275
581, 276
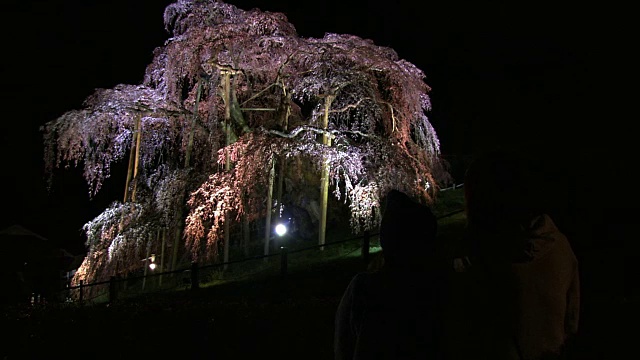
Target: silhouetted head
499, 191
407, 231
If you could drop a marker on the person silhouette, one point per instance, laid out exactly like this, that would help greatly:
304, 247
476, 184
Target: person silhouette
526, 290
392, 313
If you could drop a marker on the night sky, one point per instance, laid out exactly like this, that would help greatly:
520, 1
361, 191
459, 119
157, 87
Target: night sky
522, 77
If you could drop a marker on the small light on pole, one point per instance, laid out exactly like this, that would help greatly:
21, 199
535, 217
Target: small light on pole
152, 265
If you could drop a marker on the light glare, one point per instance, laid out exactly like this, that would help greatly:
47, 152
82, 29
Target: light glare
281, 229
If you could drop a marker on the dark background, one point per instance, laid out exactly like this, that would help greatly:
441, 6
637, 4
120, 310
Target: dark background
526, 76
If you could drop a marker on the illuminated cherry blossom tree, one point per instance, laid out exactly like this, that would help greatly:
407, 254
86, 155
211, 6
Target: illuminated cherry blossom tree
232, 95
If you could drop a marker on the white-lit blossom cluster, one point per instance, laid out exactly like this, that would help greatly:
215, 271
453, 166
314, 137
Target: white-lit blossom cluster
117, 237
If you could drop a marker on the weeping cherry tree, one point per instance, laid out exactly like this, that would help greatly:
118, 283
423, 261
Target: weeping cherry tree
230, 97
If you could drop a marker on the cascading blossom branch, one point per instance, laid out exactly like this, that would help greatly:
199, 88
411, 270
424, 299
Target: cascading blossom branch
359, 175
117, 236
101, 133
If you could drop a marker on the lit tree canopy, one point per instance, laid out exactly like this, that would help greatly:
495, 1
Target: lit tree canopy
227, 96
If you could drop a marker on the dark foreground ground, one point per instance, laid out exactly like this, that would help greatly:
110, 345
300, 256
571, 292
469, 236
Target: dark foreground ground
293, 319
267, 318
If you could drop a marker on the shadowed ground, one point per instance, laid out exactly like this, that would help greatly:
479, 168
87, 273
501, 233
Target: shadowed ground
265, 316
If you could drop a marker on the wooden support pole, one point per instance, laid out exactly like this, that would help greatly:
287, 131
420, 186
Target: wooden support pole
113, 290
81, 296
132, 152
136, 165
324, 179
146, 267
227, 160
284, 261
164, 237
195, 276
366, 241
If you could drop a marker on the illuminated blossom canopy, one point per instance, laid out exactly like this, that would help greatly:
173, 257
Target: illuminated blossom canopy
278, 95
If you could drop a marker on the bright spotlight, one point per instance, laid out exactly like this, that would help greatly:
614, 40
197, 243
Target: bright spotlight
152, 266
281, 229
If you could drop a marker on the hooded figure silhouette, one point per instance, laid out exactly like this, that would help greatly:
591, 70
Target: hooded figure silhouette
393, 313
525, 292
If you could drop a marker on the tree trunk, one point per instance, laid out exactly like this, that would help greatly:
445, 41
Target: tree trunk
267, 225
187, 163
194, 119
324, 179
235, 112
